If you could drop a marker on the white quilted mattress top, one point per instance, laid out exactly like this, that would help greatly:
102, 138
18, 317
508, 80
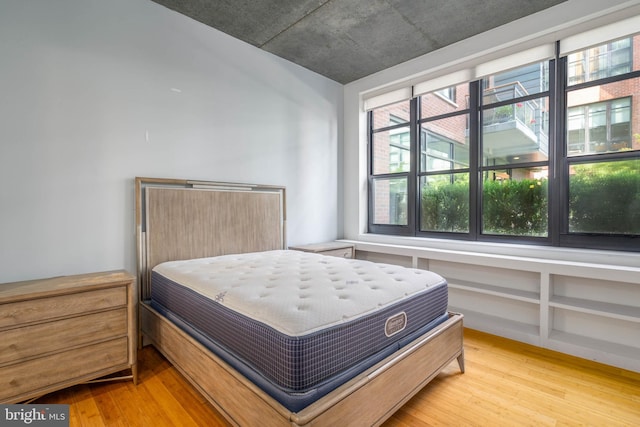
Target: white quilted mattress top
298, 292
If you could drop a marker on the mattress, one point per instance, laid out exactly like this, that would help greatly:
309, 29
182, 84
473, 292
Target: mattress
298, 324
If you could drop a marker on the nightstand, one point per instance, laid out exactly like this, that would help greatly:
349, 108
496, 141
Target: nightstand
63, 331
338, 249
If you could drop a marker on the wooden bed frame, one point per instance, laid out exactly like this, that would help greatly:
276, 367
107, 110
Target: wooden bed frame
181, 219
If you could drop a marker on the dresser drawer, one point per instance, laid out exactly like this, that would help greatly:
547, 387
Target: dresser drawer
41, 309
37, 339
40, 374
342, 253
337, 249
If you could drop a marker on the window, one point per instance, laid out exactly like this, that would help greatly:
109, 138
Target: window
604, 197
515, 152
448, 93
599, 62
602, 140
444, 162
516, 155
600, 127
390, 164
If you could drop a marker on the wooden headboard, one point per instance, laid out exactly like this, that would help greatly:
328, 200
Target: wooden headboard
182, 219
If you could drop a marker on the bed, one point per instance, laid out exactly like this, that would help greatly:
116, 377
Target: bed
212, 267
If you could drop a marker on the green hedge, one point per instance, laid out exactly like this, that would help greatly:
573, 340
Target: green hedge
605, 199
509, 207
445, 208
517, 208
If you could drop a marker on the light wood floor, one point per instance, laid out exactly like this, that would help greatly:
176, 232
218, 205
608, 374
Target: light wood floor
506, 384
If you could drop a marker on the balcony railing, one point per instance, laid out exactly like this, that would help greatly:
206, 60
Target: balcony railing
528, 113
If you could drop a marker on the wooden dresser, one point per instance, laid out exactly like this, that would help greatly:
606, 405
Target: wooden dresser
62, 331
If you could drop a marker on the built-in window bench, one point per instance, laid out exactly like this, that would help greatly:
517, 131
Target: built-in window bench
587, 309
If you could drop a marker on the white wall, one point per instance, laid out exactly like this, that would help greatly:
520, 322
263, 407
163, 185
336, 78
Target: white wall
94, 93
570, 17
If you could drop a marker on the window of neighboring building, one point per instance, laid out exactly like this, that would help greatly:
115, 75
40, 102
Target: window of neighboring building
448, 93
600, 127
517, 155
599, 62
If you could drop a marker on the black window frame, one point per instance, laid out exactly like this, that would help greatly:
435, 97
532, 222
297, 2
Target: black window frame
558, 165
473, 147
565, 238
392, 229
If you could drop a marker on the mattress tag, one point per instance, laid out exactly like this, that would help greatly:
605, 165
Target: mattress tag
395, 324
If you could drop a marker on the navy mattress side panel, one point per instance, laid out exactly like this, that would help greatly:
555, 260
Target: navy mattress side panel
294, 401
295, 364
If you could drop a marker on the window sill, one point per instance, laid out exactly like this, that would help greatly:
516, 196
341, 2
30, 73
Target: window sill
496, 252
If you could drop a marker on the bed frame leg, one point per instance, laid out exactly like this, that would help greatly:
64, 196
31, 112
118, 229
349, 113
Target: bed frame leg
461, 361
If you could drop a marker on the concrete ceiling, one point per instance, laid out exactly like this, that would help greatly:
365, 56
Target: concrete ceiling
345, 40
